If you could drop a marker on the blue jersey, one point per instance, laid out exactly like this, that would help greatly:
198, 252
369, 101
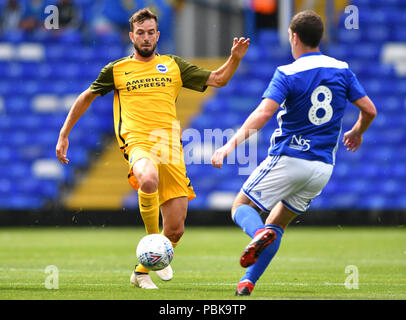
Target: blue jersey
313, 92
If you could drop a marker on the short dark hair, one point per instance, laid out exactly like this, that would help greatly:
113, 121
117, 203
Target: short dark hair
142, 15
309, 27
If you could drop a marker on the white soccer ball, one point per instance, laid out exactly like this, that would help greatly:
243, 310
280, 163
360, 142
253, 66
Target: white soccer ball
155, 251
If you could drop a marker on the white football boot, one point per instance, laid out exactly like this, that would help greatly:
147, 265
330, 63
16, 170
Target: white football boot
165, 274
142, 280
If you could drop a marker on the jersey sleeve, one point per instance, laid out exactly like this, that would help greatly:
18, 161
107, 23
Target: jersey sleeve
193, 77
355, 90
278, 88
104, 82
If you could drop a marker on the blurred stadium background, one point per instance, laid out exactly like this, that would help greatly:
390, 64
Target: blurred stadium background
43, 71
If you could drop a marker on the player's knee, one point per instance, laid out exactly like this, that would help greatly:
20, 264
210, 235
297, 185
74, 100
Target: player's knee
240, 200
234, 209
148, 183
236, 204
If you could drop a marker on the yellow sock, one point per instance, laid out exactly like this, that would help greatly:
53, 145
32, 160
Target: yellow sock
149, 209
141, 268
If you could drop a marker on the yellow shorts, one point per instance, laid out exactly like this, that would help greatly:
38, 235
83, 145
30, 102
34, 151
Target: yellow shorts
173, 181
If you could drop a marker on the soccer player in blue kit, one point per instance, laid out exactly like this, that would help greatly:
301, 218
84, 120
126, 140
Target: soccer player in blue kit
312, 92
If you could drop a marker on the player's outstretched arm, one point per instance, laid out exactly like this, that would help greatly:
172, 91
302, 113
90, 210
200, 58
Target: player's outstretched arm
256, 120
353, 139
79, 107
220, 77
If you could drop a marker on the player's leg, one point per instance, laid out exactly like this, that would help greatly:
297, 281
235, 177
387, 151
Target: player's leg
264, 188
246, 214
175, 190
295, 181
275, 224
278, 219
174, 213
146, 174
250, 200
280, 216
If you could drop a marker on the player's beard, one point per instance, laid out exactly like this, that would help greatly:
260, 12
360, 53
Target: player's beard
146, 53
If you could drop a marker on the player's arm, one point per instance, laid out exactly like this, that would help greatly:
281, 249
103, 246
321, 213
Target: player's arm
256, 120
78, 109
220, 77
352, 139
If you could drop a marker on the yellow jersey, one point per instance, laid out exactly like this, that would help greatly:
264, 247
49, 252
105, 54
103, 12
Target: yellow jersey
144, 97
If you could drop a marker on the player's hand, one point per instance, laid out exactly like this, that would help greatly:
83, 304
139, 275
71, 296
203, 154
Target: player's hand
352, 140
240, 47
62, 149
219, 155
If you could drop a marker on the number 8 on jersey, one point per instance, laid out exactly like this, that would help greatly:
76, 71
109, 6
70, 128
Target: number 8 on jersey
324, 105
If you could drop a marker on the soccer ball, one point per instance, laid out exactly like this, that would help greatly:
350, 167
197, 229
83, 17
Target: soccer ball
155, 251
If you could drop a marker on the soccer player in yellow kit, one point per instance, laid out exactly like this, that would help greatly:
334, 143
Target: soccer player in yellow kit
146, 86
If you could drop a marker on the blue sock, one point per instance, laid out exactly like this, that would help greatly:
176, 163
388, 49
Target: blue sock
248, 219
257, 269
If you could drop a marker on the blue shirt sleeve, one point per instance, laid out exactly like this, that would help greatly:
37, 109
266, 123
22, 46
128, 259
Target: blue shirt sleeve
355, 90
278, 88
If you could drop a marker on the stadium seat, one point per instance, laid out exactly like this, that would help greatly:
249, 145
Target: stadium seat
220, 200
131, 201
47, 169
23, 202
349, 36
29, 52
45, 103
7, 52
268, 36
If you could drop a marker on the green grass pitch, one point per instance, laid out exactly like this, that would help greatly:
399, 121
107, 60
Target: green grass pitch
96, 263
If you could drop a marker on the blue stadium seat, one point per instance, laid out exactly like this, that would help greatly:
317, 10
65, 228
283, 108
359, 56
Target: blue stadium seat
254, 54
69, 36
368, 51
340, 51
380, 71
231, 184
199, 202
17, 104
350, 36
378, 34
201, 122
15, 171
24, 201
243, 104
399, 32
215, 105
277, 54
268, 37
7, 154
78, 156
85, 138
47, 188
131, 201
384, 4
